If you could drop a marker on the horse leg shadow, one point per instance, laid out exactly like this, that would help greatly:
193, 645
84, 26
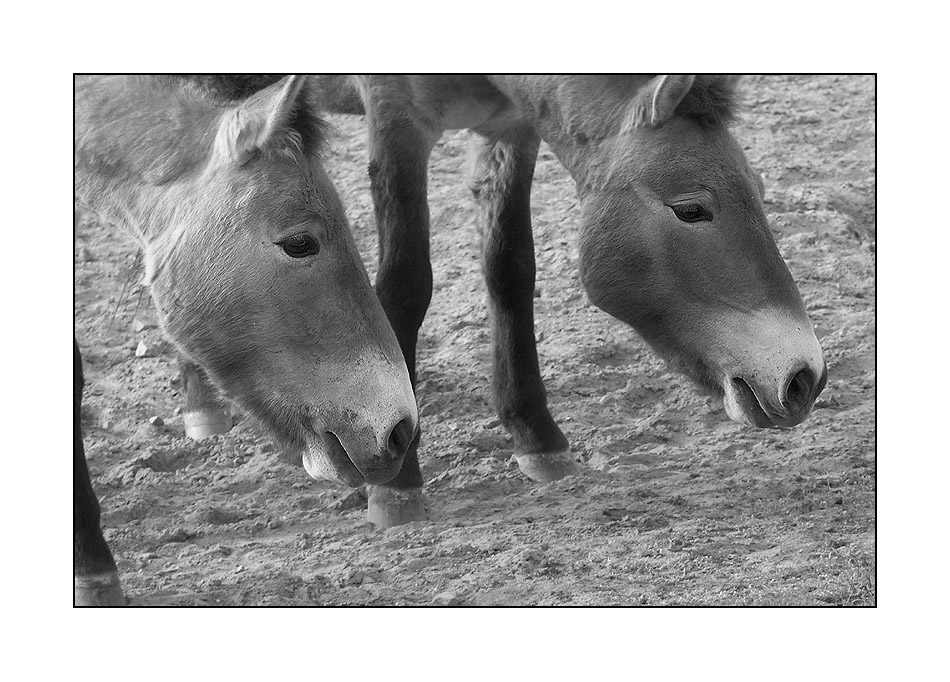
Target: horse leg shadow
502, 186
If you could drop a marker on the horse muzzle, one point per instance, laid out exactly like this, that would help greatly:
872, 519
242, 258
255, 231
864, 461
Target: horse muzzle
774, 404
357, 456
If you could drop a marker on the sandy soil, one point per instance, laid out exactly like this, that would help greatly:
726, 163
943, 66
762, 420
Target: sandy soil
675, 505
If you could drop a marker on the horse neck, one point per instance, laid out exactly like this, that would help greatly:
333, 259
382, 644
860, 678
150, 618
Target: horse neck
134, 154
580, 118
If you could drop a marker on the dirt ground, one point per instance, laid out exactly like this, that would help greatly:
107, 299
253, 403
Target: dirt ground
675, 504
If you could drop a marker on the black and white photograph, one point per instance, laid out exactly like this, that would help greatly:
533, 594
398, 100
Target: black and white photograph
587, 340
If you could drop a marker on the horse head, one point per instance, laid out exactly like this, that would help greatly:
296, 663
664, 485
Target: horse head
257, 279
675, 242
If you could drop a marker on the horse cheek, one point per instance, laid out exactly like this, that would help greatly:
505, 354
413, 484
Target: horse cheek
616, 273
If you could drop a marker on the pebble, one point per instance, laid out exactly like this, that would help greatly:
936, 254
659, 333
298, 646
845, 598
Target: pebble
600, 461
488, 423
356, 595
143, 350
445, 599
176, 535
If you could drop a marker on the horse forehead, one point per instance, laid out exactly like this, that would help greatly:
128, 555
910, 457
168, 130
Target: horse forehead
280, 190
686, 153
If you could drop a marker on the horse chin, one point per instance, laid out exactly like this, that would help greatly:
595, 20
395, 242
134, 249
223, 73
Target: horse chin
326, 458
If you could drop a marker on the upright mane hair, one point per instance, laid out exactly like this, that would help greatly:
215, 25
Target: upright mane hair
227, 89
711, 101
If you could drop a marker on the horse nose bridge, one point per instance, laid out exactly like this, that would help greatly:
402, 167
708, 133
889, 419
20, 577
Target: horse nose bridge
385, 403
788, 342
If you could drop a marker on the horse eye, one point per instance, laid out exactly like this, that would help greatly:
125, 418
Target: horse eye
299, 245
691, 213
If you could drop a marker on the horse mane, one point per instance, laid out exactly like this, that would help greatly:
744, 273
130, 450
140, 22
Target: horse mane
311, 131
226, 87
712, 101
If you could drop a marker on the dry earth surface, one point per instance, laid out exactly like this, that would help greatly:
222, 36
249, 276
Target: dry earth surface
675, 503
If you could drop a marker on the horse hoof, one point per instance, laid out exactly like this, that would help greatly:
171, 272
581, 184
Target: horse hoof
207, 423
388, 507
98, 590
545, 467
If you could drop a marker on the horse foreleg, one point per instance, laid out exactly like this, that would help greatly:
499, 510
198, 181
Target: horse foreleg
205, 413
399, 155
502, 186
95, 577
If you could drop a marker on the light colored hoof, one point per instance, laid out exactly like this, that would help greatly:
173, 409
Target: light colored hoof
545, 467
98, 590
388, 507
200, 425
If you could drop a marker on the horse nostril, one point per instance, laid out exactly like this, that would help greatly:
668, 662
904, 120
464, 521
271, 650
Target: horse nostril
400, 438
800, 389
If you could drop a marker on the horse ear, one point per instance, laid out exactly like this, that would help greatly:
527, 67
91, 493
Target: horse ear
263, 121
655, 103
760, 183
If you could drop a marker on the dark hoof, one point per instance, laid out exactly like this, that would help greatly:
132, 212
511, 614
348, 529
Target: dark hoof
388, 507
545, 467
206, 423
99, 590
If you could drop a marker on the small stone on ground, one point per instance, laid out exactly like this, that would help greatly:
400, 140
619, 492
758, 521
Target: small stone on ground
445, 599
